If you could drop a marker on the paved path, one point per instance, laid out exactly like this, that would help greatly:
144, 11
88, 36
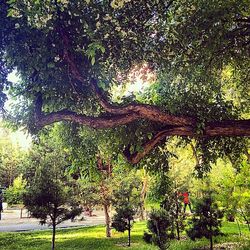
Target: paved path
11, 222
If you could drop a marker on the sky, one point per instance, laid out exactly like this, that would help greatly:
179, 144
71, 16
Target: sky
22, 139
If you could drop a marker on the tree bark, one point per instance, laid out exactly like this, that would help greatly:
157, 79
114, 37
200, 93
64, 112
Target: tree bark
106, 173
106, 208
90, 121
146, 111
212, 129
182, 126
238, 128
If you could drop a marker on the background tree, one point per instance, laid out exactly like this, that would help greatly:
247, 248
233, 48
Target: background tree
173, 207
241, 194
230, 184
107, 179
146, 181
98, 192
164, 193
95, 163
51, 195
127, 201
48, 197
206, 221
14, 193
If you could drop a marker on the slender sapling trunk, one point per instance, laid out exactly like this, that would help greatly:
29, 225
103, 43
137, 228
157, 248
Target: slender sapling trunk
53, 234
129, 235
177, 218
142, 198
106, 208
211, 238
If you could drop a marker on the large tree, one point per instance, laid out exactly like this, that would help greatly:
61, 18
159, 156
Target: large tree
70, 55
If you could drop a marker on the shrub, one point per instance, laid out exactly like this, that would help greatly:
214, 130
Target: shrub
158, 225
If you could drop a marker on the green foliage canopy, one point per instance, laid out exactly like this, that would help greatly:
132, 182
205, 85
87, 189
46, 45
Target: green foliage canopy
69, 55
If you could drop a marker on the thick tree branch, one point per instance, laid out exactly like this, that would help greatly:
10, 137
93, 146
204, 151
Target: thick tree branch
228, 128
90, 121
219, 128
223, 128
149, 112
159, 137
43, 119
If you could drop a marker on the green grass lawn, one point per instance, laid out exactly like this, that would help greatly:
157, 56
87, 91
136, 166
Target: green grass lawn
92, 238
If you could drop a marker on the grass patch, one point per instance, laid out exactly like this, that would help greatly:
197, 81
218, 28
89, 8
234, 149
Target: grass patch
93, 238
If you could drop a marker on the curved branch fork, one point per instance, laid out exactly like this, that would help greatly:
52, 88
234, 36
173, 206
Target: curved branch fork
213, 129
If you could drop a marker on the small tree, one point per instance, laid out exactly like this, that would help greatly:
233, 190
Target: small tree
98, 190
172, 205
49, 199
127, 201
158, 225
206, 221
166, 191
123, 219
